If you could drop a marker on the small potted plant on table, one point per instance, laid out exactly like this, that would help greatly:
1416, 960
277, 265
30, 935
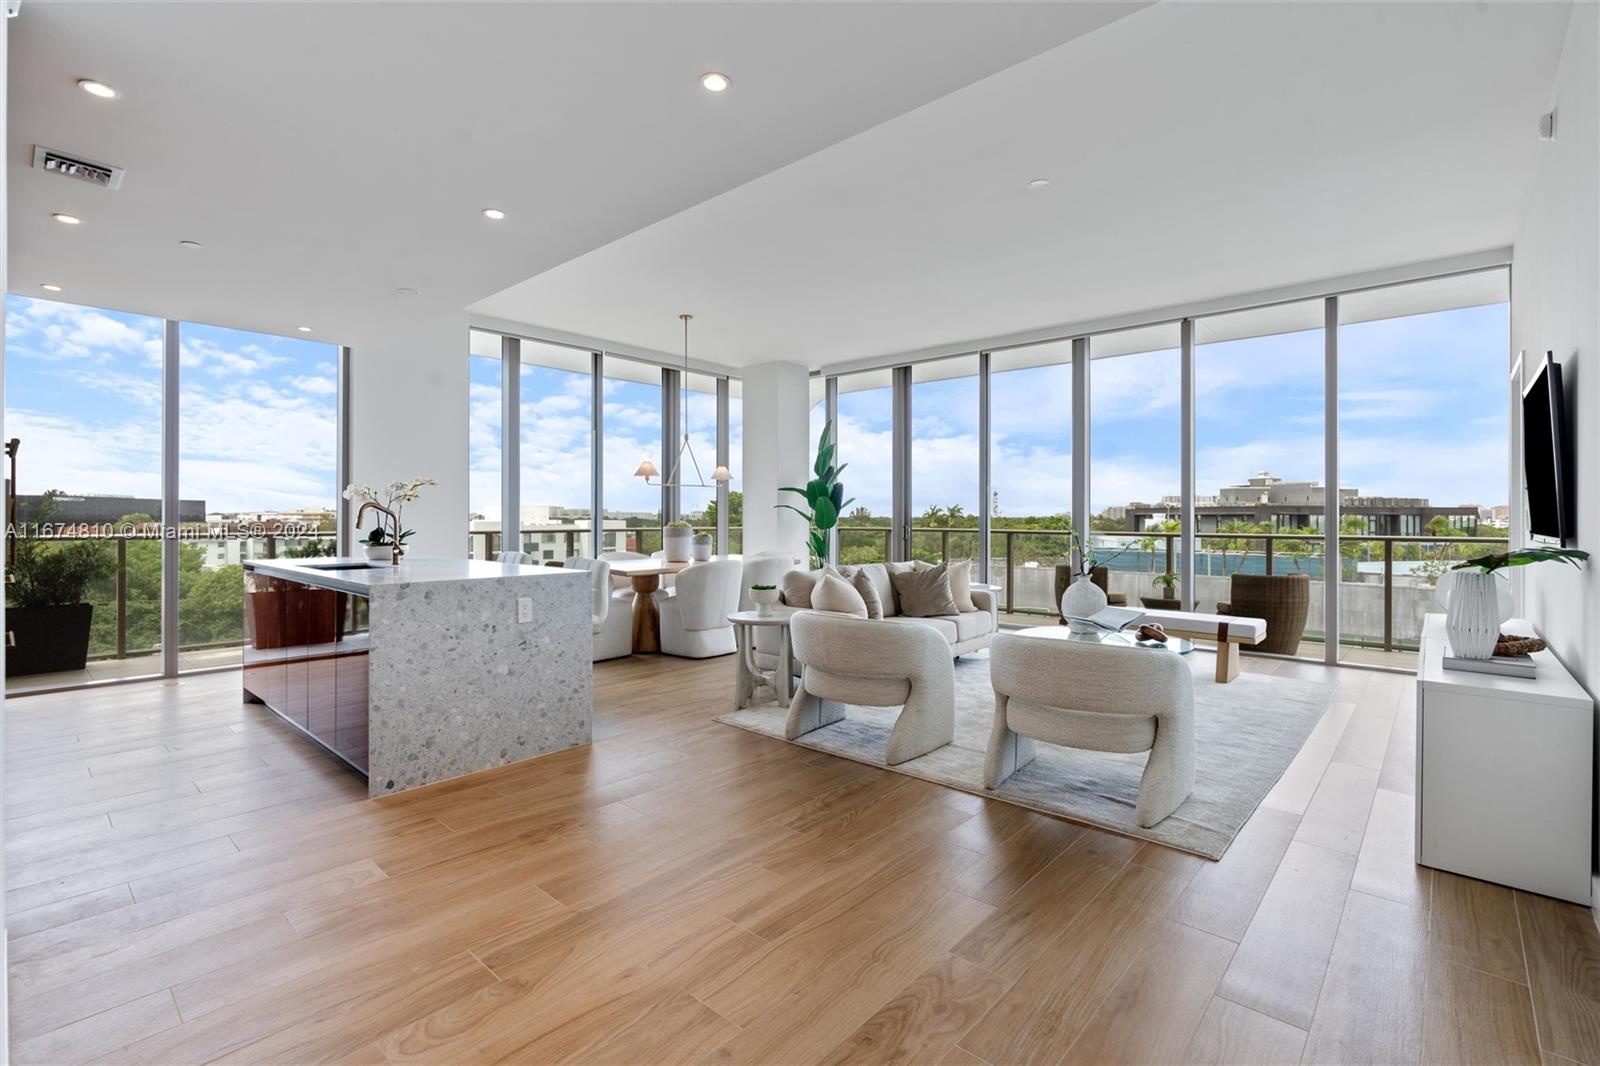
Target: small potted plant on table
677, 541
765, 597
702, 547
1169, 584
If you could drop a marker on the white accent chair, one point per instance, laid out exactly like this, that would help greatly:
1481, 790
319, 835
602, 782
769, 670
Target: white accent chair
611, 615
1099, 698
520, 558
874, 663
622, 581
694, 616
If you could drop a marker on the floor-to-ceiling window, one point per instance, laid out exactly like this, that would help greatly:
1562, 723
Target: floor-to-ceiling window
632, 428
697, 503
83, 399
1423, 449
557, 395
944, 459
1030, 474
1260, 391
1135, 459
258, 430
865, 436
735, 466
484, 399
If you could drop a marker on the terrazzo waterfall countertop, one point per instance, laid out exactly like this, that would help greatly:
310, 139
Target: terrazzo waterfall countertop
455, 683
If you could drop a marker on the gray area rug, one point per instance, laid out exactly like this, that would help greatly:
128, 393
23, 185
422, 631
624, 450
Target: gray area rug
1246, 733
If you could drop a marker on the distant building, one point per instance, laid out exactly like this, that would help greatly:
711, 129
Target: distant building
546, 531
1300, 505
92, 510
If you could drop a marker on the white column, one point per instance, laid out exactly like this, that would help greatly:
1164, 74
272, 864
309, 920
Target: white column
409, 419
777, 452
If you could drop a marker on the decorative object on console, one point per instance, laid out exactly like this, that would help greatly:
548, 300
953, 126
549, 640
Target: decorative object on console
701, 549
1472, 620
765, 598
677, 542
824, 495
390, 500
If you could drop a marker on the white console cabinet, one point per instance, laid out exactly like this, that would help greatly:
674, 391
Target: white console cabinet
1505, 772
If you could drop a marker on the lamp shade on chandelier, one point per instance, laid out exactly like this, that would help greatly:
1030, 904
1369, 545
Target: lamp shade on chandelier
675, 476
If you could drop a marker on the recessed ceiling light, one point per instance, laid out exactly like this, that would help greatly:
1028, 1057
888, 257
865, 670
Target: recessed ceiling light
49, 286
97, 88
1039, 183
67, 220
494, 214
405, 292
190, 244
715, 82
303, 329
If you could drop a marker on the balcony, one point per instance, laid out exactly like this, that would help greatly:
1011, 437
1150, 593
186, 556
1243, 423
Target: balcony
1386, 583
554, 544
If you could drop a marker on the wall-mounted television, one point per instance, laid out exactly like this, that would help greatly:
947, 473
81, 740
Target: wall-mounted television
1546, 458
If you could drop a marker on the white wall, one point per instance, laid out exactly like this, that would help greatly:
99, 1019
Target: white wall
777, 451
408, 418
1555, 306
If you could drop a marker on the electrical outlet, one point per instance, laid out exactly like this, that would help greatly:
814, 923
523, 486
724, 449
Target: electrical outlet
524, 608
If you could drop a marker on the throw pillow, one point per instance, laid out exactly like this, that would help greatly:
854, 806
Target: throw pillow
961, 585
892, 606
924, 593
798, 586
868, 588
835, 594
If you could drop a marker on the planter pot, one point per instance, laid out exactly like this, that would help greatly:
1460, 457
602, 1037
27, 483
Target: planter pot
49, 639
1473, 620
765, 600
702, 548
378, 553
677, 545
1161, 603
1083, 598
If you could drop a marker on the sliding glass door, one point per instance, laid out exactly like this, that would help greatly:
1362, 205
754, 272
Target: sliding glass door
556, 390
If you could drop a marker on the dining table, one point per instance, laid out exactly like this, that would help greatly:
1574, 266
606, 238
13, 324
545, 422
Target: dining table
645, 575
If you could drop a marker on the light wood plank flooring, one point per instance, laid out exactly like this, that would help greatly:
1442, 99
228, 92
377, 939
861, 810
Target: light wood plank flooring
187, 881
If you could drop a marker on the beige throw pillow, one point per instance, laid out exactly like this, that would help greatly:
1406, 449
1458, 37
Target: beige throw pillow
924, 593
835, 594
798, 586
891, 606
867, 586
961, 585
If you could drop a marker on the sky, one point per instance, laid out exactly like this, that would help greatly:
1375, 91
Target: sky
1422, 407
258, 413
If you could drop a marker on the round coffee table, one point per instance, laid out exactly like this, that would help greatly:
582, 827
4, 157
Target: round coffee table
1125, 639
750, 677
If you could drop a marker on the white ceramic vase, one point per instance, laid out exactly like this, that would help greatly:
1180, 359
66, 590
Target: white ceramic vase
378, 553
1082, 599
764, 599
1472, 621
702, 548
677, 544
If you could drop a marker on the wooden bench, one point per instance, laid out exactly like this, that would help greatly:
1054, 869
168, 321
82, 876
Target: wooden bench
1227, 630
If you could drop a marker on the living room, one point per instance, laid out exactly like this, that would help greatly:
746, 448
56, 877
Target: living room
993, 532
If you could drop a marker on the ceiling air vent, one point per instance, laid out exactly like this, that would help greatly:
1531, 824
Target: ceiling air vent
69, 166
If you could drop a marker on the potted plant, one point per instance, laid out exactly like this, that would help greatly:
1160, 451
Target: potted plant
376, 545
677, 541
765, 597
1083, 597
1472, 619
702, 547
390, 500
46, 606
1169, 584
824, 494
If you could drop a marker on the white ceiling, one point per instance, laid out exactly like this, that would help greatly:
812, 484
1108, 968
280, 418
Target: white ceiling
326, 154
1196, 151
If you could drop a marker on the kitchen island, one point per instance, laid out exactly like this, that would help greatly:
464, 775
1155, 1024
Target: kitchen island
421, 672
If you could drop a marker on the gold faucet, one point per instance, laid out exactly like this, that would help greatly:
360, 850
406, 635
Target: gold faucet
394, 523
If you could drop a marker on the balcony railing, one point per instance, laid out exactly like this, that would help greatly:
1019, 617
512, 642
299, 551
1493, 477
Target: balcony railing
1386, 582
570, 541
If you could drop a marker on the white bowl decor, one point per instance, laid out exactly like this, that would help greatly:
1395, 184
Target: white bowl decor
702, 547
765, 600
378, 553
677, 543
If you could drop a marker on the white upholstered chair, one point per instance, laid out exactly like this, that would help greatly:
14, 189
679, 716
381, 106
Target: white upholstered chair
520, 558
1096, 697
875, 664
694, 616
621, 581
611, 615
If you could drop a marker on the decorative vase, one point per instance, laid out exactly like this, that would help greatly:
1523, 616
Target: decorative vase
1082, 599
1472, 621
764, 599
702, 547
676, 544
378, 553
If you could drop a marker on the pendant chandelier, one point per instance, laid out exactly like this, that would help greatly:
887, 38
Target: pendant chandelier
647, 469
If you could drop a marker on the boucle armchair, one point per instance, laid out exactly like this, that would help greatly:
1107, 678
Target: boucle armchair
1096, 697
694, 615
875, 664
610, 615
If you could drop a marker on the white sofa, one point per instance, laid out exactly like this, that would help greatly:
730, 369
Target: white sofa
694, 615
611, 612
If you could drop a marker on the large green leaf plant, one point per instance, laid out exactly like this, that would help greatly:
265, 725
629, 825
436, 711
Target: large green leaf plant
824, 496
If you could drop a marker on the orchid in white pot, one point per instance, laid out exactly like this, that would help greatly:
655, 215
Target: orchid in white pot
391, 499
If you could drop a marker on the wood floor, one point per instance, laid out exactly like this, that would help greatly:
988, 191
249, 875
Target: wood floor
186, 881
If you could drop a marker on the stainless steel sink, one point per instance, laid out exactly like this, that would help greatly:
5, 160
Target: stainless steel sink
344, 566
